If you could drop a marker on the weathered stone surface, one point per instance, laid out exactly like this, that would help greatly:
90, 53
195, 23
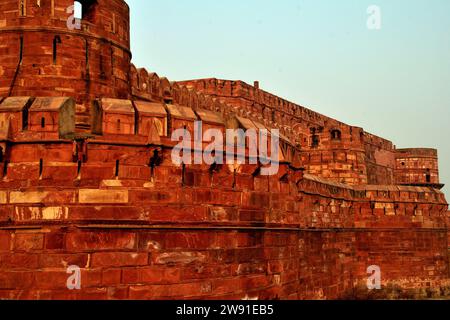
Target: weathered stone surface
103, 196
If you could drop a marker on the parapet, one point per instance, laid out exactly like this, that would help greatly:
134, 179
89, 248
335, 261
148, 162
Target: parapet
38, 118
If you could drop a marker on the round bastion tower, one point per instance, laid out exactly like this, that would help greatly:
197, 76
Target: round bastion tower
45, 52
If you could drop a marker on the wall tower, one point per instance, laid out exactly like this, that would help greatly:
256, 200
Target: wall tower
44, 53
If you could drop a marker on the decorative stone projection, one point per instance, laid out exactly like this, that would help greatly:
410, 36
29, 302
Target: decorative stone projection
52, 115
114, 116
15, 109
151, 116
181, 118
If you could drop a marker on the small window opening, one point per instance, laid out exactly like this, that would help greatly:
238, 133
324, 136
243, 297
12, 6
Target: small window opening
428, 176
22, 8
117, 168
336, 135
118, 125
315, 140
85, 10
43, 122
21, 49
41, 168
56, 41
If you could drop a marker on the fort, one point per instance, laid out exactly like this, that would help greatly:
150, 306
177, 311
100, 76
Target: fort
86, 179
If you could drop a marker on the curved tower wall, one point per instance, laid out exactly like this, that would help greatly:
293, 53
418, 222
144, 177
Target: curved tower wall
40, 55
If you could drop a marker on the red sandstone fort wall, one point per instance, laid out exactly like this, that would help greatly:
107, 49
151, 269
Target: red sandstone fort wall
190, 233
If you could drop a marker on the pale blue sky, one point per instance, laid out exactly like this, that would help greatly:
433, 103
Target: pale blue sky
394, 82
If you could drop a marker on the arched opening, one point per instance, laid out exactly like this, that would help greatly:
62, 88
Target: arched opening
336, 135
428, 176
43, 122
118, 125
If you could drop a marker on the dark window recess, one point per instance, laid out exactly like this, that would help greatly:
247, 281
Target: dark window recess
79, 168
41, 168
56, 41
118, 125
428, 176
336, 135
25, 119
315, 140
21, 49
5, 168
88, 9
42, 122
117, 168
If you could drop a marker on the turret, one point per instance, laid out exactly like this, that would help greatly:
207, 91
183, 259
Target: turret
46, 51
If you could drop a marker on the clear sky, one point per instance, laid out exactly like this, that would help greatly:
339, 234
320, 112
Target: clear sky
394, 82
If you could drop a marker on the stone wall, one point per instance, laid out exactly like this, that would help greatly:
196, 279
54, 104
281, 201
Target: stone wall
188, 232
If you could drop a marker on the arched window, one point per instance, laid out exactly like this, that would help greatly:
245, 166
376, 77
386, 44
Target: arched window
118, 125
428, 176
336, 135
